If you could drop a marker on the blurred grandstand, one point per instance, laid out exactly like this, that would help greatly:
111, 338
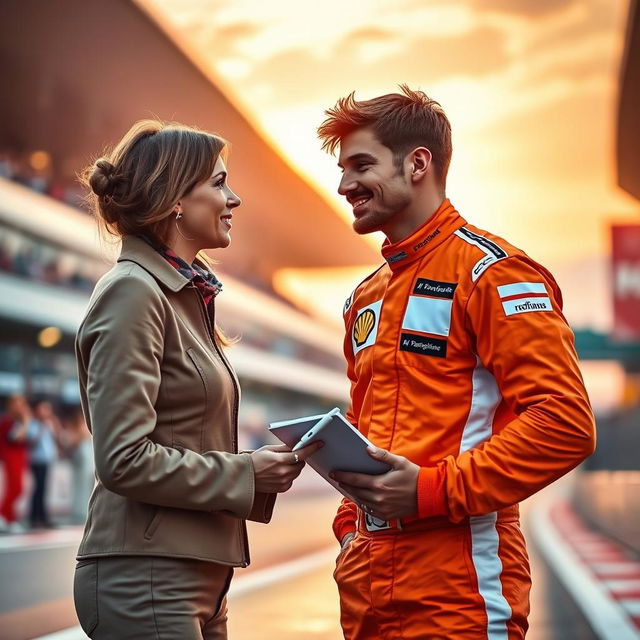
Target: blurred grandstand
77, 88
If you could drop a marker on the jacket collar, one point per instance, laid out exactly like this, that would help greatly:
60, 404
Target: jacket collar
425, 238
136, 250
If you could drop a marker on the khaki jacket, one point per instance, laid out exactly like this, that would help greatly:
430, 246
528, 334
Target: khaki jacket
161, 401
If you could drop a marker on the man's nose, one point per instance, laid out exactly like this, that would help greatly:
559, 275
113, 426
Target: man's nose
346, 184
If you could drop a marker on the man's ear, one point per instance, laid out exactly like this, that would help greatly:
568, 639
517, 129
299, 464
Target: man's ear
420, 163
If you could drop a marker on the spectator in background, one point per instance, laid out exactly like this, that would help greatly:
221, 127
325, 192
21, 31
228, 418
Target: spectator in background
14, 455
5, 257
41, 434
7, 165
76, 441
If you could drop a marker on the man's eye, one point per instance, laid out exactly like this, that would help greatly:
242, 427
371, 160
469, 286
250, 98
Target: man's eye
362, 166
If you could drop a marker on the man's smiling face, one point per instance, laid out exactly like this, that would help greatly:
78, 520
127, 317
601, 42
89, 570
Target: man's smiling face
374, 186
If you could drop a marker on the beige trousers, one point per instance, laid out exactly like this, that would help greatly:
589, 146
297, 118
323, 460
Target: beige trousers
151, 598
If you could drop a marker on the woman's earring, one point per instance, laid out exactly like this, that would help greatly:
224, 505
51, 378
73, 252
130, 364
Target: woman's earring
179, 217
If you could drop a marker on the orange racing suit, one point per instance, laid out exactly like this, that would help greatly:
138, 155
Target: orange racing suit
460, 360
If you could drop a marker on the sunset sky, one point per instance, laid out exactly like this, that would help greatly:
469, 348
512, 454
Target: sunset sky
530, 88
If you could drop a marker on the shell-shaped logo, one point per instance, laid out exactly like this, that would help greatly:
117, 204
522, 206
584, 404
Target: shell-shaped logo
363, 326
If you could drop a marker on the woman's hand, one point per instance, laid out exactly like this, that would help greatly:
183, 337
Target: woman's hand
276, 466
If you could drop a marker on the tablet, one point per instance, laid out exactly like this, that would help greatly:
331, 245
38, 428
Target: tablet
345, 448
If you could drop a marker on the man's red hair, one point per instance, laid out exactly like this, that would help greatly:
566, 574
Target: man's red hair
400, 121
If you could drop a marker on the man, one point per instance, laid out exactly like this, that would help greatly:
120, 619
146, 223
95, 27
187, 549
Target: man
464, 374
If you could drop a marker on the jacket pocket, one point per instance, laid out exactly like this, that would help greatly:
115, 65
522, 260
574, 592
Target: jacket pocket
153, 525
196, 363
85, 594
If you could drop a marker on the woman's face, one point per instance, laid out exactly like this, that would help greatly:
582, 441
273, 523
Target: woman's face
207, 210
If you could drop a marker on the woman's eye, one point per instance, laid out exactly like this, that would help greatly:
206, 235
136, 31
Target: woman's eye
219, 184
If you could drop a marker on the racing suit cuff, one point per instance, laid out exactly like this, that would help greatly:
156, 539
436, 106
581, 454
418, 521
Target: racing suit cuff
342, 527
431, 492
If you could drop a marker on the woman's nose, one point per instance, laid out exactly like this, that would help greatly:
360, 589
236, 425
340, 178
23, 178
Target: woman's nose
234, 201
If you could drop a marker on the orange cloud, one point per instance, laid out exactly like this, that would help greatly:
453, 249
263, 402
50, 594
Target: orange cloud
370, 34
224, 41
526, 8
305, 76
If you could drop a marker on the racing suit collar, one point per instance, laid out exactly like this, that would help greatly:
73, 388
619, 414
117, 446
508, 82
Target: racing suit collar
431, 234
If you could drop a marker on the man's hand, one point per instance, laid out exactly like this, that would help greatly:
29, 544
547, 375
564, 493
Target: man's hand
387, 496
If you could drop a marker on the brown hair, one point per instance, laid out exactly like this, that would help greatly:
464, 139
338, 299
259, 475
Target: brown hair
400, 121
135, 186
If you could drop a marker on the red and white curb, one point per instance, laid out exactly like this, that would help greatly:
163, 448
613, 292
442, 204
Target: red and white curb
599, 573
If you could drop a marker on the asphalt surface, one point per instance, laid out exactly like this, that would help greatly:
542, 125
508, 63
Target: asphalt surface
37, 572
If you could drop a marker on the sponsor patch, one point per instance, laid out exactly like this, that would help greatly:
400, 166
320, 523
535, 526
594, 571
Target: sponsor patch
429, 315
525, 305
365, 326
435, 289
348, 303
397, 257
423, 345
524, 297
427, 240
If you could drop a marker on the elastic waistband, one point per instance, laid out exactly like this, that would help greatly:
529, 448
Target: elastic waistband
368, 525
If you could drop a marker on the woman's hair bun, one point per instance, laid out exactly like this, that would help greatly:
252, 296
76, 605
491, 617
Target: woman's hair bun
102, 178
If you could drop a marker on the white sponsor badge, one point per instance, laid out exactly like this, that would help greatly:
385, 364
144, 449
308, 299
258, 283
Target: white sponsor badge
429, 315
524, 297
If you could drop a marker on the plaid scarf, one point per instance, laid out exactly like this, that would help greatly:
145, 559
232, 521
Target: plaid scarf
203, 279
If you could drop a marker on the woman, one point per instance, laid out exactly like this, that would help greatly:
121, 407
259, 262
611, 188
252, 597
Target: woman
166, 520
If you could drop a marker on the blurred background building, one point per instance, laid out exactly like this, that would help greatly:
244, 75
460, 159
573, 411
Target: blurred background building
63, 110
